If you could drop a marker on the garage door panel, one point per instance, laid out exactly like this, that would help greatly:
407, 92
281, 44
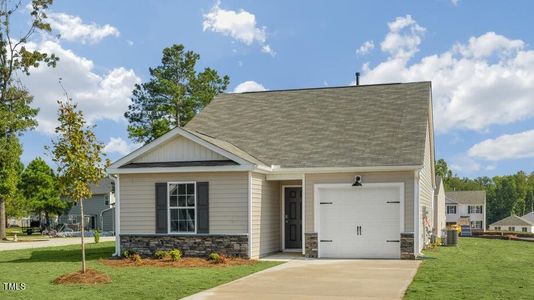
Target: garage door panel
376, 210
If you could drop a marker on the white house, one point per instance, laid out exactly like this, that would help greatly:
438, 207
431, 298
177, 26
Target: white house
466, 208
513, 223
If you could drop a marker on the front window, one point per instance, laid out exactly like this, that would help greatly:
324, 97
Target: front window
476, 224
511, 228
497, 228
182, 207
524, 229
477, 209
451, 209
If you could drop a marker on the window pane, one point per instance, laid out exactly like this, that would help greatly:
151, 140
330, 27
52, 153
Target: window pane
174, 226
172, 189
191, 226
173, 200
190, 188
191, 200
174, 215
181, 189
190, 213
181, 200
182, 226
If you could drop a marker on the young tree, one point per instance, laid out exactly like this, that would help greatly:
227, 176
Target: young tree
78, 156
16, 205
16, 116
40, 188
172, 97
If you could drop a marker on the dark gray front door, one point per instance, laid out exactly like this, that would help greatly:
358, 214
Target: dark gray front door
293, 217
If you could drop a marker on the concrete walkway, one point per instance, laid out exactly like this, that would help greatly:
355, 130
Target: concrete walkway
321, 279
50, 242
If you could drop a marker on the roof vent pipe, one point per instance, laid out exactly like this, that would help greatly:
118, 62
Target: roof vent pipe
357, 78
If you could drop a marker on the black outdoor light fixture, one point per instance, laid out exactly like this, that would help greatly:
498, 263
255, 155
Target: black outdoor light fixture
357, 180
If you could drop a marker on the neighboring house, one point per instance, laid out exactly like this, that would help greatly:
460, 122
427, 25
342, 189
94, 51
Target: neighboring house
439, 208
342, 172
513, 223
529, 217
99, 210
466, 208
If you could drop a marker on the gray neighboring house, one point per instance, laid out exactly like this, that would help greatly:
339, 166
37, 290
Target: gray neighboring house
99, 210
342, 172
513, 223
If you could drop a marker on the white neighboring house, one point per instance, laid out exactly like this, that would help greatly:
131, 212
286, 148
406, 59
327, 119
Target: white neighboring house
513, 223
466, 208
439, 208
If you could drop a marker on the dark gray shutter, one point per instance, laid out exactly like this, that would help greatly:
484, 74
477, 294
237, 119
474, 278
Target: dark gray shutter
203, 213
161, 207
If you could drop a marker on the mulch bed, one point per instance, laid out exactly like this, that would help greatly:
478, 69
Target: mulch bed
185, 262
90, 276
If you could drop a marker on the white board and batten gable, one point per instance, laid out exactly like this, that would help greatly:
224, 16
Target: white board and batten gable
180, 151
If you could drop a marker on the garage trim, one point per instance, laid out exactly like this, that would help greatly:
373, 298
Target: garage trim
316, 201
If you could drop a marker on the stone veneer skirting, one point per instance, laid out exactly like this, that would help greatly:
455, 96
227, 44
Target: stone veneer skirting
200, 245
407, 246
311, 245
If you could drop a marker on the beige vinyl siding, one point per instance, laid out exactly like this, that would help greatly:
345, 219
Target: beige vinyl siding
426, 192
373, 177
228, 200
180, 149
439, 210
266, 216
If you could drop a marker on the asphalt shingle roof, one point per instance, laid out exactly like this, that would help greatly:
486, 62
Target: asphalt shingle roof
356, 126
512, 220
466, 197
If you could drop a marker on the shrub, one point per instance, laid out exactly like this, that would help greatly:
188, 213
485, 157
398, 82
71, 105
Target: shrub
215, 258
161, 254
175, 254
135, 258
96, 234
125, 254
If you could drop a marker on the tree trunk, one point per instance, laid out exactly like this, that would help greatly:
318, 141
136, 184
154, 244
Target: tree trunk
47, 221
82, 224
3, 219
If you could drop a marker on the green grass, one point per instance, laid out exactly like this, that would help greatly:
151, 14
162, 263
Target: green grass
38, 267
476, 269
22, 236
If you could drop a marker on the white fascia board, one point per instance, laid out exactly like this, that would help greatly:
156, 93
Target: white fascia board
180, 169
168, 136
344, 169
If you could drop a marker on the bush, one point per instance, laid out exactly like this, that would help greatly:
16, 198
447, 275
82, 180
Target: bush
135, 258
175, 254
128, 253
96, 234
161, 254
215, 258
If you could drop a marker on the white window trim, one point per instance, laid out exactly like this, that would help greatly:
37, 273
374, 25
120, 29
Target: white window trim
177, 207
455, 209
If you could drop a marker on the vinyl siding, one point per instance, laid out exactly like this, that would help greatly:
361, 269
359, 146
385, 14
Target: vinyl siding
265, 216
426, 193
439, 210
228, 201
373, 177
180, 149
108, 220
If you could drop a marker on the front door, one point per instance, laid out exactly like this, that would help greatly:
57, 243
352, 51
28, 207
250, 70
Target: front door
293, 217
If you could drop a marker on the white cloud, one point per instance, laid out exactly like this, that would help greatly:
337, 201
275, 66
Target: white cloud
488, 80
365, 48
120, 146
249, 86
72, 28
464, 164
101, 97
508, 146
455, 2
239, 25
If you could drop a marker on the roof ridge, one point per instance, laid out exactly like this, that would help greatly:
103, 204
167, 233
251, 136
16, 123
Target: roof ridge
330, 87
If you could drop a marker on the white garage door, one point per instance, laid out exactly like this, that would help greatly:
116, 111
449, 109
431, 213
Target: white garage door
359, 222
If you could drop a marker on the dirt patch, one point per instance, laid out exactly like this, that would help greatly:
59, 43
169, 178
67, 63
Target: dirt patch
186, 262
90, 276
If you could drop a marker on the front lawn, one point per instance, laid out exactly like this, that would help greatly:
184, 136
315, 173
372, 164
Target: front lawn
476, 269
38, 267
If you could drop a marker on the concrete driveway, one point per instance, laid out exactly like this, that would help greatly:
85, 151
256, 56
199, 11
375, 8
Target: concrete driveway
321, 279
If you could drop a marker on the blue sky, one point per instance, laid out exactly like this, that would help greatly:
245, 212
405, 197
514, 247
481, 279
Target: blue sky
478, 55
